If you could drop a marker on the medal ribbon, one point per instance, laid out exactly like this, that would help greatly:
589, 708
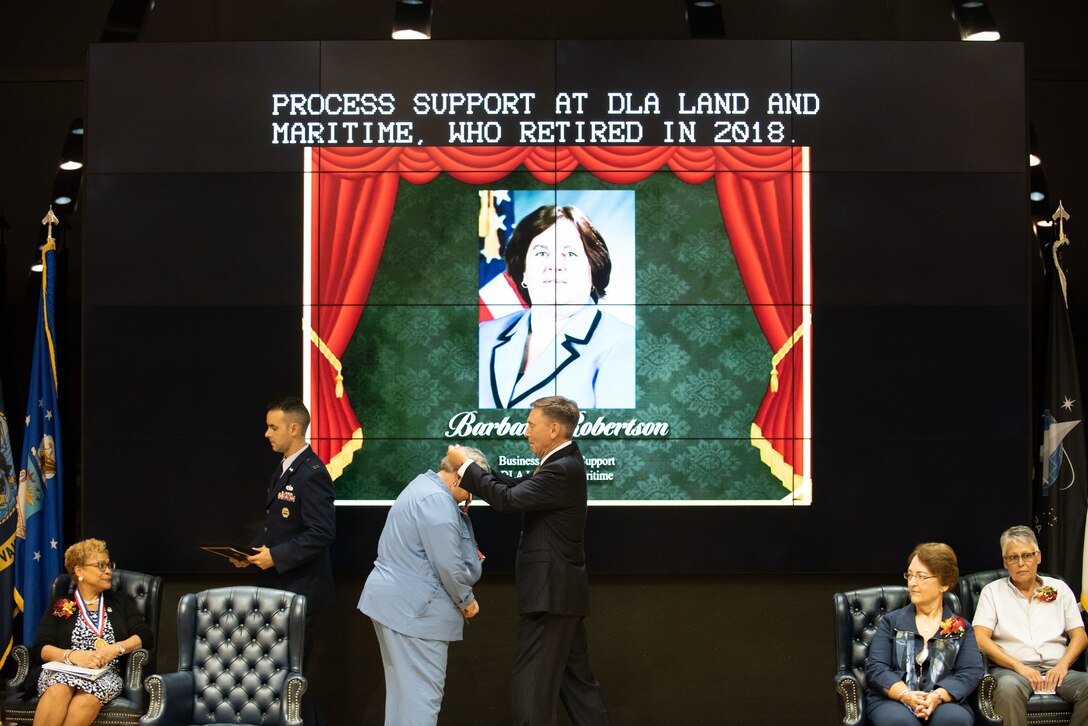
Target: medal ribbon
87, 617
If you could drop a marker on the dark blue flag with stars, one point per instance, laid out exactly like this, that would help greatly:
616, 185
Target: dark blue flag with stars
1061, 481
38, 551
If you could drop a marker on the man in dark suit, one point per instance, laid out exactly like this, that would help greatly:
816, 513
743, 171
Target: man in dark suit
551, 663
299, 524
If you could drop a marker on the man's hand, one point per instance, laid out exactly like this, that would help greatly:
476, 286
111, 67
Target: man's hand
471, 610
262, 559
456, 456
1034, 677
238, 563
1054, 677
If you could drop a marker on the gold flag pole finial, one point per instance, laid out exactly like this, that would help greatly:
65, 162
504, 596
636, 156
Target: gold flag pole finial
49, 220
1060, 216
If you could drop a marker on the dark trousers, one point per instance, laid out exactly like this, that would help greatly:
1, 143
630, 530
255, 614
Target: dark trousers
552, 665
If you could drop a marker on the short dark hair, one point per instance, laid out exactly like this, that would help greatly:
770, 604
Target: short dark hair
543, 218
940, 559
294, 410
561, 410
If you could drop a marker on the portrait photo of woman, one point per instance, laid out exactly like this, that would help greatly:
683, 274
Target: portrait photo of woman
566, 336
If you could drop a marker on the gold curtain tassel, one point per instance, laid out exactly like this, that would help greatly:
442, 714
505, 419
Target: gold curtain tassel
330, 357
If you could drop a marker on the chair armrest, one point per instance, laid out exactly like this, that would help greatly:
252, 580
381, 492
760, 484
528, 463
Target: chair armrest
291, 700
853, 703
17, 683
134, 676
985, 701
170, 699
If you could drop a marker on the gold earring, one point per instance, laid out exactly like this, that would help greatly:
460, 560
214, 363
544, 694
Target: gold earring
81, 578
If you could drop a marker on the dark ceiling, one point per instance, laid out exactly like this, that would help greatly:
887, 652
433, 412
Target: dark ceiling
43, 49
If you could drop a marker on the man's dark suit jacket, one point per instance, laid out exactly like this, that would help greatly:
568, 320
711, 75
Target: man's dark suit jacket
551, 559
299, 526
56, 630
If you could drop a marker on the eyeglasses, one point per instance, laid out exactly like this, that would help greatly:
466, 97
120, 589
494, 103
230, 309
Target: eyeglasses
102, 566
1022, 559
908, 576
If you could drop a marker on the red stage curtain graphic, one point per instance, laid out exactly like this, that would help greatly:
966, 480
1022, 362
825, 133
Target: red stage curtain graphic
760, 192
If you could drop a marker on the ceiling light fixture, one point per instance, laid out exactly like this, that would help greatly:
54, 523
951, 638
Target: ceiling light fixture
705, 19
412, 20
974, 20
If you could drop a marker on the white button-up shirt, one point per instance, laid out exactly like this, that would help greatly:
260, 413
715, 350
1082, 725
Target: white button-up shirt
1031, 631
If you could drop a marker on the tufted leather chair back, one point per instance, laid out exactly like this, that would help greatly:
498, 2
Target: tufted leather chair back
857, 615
969, 587
240, 643
145, 589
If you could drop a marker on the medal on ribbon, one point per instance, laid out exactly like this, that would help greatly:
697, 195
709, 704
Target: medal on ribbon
99, 628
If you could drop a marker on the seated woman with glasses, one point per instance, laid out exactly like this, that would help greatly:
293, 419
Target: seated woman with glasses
91, 630
1030, 628
923, 661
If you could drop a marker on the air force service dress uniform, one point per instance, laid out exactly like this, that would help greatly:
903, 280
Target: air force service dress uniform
299, 527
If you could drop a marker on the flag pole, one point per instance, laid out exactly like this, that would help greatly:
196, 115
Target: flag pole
1059, 216
50, 219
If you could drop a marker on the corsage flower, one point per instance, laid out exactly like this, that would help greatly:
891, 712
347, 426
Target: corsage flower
1046, 594
953, 627
64, 608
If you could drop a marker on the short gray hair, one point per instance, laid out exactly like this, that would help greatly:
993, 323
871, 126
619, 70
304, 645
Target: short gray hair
473, 453
1019, 533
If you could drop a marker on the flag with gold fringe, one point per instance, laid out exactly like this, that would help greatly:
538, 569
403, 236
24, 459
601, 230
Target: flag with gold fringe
8, 519
1061, 486
38, 550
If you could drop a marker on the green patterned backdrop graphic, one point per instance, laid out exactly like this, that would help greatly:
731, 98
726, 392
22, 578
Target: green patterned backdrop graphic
702, 363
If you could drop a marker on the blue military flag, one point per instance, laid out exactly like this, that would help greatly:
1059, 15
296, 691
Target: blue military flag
1061, 487
9, 517
37, 546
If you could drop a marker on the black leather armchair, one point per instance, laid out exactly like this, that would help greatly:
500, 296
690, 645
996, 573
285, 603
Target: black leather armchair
239, 660
21, 697
857, 615
1042, 709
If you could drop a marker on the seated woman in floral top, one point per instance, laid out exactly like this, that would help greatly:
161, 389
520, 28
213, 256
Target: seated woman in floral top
93, 629
923, 662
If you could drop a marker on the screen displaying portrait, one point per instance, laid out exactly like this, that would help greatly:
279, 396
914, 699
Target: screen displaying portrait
681, 326
556, 300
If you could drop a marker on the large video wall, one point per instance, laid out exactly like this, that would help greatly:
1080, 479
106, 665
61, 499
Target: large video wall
786, 282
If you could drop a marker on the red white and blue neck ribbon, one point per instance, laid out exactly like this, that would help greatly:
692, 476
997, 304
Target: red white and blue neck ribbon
100, 614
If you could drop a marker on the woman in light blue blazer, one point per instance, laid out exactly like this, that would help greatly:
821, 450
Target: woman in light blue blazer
420, 591
564, 343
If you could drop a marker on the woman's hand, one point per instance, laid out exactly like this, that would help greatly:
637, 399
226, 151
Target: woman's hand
927, 704
913, 700
88, 658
